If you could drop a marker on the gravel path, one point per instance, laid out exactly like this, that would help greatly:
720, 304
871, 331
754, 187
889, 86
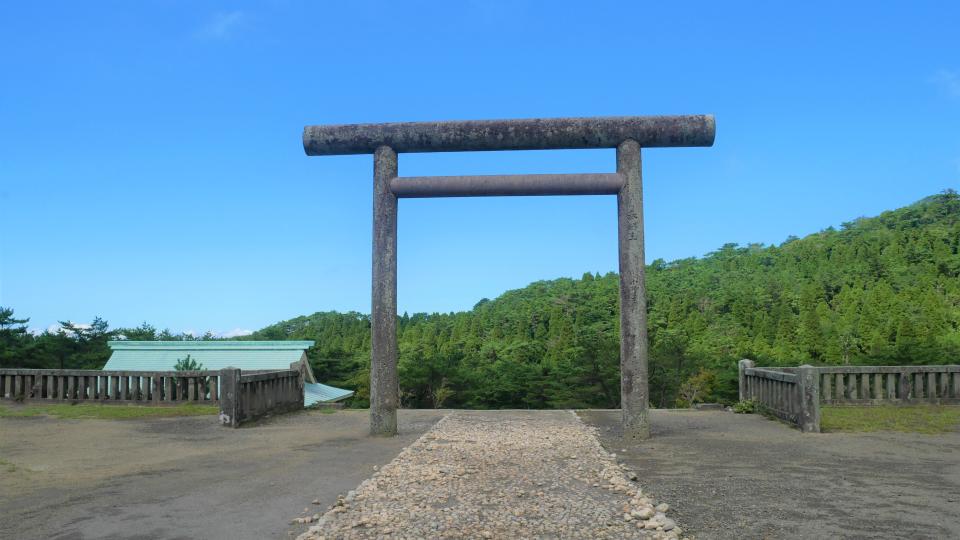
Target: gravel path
499, 474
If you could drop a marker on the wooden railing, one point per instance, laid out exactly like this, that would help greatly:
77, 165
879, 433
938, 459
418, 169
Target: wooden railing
246, 397
792, 397
128, 387
778, 390
875, 385
242, 396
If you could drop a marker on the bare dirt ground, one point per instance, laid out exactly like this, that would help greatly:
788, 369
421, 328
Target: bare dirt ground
743, 476
184, 477
724, 475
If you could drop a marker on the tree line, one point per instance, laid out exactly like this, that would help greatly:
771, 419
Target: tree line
70, 345
882, 290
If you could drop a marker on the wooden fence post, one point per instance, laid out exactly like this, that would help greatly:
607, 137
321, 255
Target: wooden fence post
742, 366
302, 381
904, 384
230, 397
302, 385
809, 380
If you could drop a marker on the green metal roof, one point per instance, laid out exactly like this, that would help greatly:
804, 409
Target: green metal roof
214, 355
245, 355
272, 345
321, 393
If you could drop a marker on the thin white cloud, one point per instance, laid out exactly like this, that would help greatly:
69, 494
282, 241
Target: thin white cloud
57, 327
222, 25
236, 332
947, 80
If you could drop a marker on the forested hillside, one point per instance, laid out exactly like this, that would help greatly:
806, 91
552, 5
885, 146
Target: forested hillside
883, 290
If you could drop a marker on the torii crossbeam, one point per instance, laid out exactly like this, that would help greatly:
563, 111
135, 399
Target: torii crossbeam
628, 134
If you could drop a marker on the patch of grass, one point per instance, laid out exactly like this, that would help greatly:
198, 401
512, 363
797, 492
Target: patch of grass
322, 408
104, 412
906, 418
9, 466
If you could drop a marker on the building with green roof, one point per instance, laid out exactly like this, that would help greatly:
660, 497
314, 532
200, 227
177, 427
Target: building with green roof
217, 355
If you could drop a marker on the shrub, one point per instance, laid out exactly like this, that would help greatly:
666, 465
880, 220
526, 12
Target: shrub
188, 364
191, 364
746, 406
697, 388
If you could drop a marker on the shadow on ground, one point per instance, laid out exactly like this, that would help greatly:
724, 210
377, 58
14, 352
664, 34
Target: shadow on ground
184, 477
743, 476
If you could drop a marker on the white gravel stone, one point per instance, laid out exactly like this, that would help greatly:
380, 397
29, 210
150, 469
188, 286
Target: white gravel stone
645, 512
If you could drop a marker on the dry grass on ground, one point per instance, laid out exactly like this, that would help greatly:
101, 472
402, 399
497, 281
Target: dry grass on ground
103, 412
929, 419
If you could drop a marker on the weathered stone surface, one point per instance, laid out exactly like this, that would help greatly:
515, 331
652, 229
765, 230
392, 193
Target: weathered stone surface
520, 134
384, 389
634, 388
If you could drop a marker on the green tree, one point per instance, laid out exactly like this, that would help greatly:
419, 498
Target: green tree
188, 364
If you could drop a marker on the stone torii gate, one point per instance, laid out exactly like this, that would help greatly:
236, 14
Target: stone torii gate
628, 134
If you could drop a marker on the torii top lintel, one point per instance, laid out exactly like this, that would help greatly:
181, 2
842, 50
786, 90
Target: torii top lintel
520, 134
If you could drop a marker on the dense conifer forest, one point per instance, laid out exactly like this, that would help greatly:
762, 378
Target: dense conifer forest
882, 290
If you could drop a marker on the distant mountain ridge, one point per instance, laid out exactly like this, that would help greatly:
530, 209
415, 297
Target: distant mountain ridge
877, 290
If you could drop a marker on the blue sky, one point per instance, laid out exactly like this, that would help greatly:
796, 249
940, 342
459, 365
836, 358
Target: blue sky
151, 167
